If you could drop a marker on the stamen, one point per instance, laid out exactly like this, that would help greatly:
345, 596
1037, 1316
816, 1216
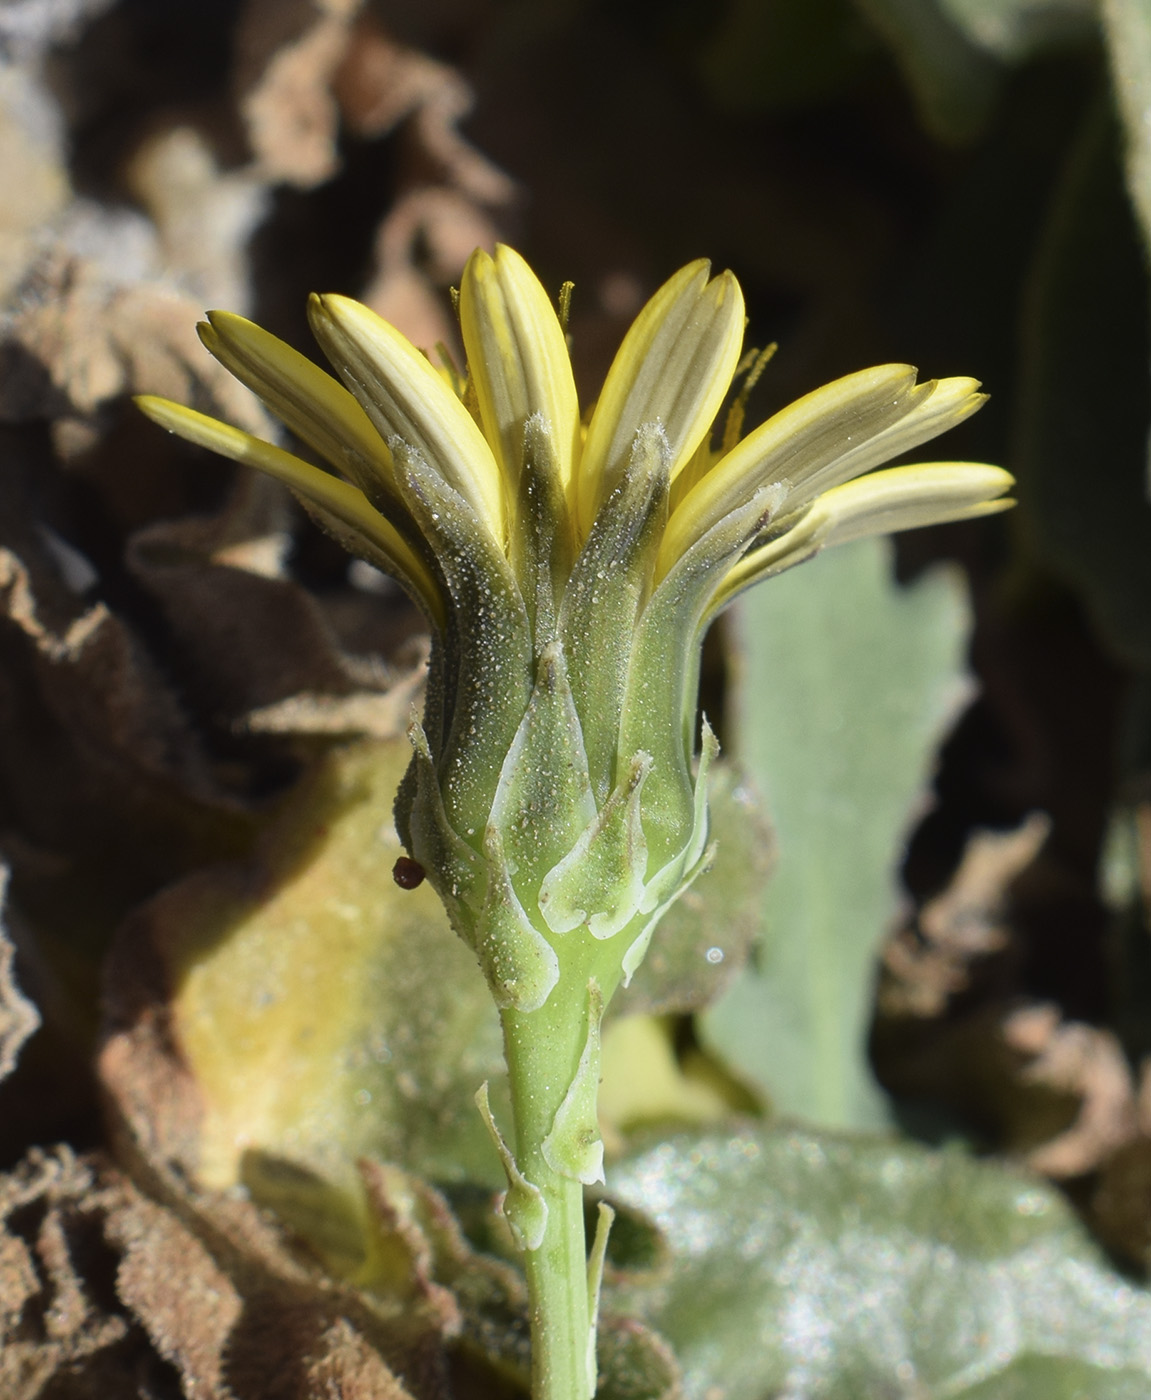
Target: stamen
564, 304
752, 367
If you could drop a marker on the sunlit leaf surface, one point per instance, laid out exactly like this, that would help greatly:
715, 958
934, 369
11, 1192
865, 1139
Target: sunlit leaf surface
845, 689
816, 1267
325, 1012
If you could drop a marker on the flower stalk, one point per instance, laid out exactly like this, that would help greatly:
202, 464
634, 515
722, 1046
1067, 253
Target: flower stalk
568, 568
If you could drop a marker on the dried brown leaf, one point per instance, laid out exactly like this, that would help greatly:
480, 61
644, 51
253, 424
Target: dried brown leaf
36, 185
1058, 1093
420, 249
345, 1367
926, 965
249, 637
203, 215
451, 197
382, 715
95, 749
18, 1016
288, 56
81, 338
1083, 1062
204, 1286
54, 1323
186, 1302
383, 83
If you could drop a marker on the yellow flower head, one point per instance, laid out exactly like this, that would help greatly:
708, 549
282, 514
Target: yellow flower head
568, 574
801, 472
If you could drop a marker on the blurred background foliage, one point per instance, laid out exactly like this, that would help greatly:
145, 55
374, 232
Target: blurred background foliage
928, 926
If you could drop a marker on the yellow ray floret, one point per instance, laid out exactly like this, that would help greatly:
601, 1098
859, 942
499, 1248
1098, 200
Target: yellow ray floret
518, 361
316, 407
348, 507
407, 400
673, 369
885, 502
400, 432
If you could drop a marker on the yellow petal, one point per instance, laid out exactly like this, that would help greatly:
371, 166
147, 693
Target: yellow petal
405, 398
942, 404
345, 503
903, 498
316, 407
673, 369
518, 361
900, 498
793, 446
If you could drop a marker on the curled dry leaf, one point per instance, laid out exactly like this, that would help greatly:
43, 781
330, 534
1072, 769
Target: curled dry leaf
114, 1295
925, 965
288, 55
452, 194
80, 338
87, 714
378, 714
383, 83
18, 1016
108, 795
438, 221
249, 637
1083, 1062
1059, 1094
203, 215
50, 1322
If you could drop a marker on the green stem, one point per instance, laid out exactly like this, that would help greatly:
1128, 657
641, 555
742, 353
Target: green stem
558, 1295
543, 1051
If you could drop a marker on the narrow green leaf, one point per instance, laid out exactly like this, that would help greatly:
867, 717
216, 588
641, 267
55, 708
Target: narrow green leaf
953, 80
1081, 433
1014, 30
1127, 29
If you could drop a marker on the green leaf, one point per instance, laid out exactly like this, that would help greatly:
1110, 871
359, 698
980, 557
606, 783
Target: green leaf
634, 1364
833, 1269
845, 686
703, 940
954, 53
1014, 30
954, 81
324, 1013
1127, 28
764, 58
1047, 1378
1083, 410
